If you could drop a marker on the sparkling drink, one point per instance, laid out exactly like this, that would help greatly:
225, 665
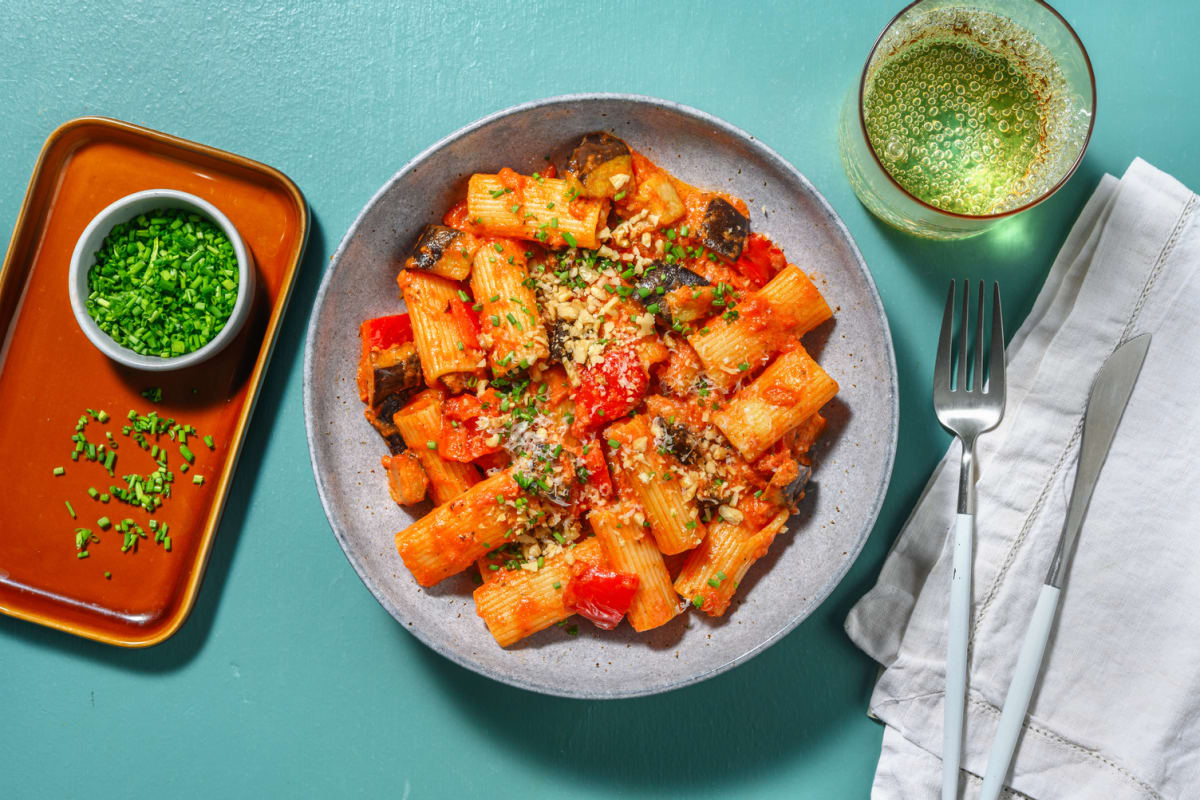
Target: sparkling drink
966, 112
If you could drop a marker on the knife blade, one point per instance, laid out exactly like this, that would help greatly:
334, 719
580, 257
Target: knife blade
1110, 394
1106, 405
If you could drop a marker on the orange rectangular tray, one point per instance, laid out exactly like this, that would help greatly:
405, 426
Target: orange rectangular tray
49, 373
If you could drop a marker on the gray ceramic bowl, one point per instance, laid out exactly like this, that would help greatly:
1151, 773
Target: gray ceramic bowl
854, 460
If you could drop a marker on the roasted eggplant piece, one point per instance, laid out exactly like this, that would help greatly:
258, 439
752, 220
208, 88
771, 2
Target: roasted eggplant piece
380, 418
558, 338
724, 229
385, 428
392, 404
391, 376
788, 484
657, 196
674, 290
395, 369
444, 251
602, 164
676, 440
709, 502
667, 277
407, 481
794, 490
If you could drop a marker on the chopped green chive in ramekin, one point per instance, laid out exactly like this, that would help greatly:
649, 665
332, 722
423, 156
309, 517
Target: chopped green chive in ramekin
164, 283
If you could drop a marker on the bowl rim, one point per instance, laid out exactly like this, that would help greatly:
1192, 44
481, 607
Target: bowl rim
831, 217
81, 264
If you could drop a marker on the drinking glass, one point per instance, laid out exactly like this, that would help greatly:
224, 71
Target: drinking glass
1018, 99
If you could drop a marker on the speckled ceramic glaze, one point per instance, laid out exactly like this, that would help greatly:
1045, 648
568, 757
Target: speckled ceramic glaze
853, 459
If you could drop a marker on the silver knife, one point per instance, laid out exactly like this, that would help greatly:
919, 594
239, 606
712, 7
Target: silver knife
1106, 403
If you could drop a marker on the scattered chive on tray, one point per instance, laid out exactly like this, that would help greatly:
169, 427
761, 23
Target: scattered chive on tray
147, 492
164, 283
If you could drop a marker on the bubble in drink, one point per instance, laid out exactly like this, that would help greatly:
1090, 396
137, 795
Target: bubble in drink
969, 112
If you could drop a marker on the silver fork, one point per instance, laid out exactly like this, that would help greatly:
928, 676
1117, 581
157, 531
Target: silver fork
967, 409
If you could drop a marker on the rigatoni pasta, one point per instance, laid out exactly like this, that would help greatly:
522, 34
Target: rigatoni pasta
767, 320
787, 393
628, 549
448, 347
512, 328
669, 514
517, 603
454, 535
537, 209
712, 571
420, 425
596, 372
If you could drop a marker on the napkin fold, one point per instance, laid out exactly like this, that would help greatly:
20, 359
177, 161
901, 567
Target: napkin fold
1117, 710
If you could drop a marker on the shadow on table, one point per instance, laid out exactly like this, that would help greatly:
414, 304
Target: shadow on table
177, 651
1025, 243
784, 702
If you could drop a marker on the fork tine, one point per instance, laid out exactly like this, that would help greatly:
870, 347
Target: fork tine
996, 360
977, 363
961, 385
941, 367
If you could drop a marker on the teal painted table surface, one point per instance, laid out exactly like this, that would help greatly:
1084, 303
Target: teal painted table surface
289, 679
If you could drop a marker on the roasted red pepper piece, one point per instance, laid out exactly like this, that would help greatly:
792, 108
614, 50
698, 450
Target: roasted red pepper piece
384, 332
760, 261
465, 441
597, 488
609, 390
467, 321
600, 595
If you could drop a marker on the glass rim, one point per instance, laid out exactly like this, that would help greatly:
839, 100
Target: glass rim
862, 123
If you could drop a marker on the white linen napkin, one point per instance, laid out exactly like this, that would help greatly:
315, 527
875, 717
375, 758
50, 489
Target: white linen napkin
1117, 710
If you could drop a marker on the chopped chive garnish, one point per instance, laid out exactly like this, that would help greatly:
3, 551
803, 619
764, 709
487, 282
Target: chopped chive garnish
569, 239
698, 600
104, 523
60, 471
70, 509
613, 443
187, 454
198, 480
557, 584
163, 284
432, 445
208, 440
